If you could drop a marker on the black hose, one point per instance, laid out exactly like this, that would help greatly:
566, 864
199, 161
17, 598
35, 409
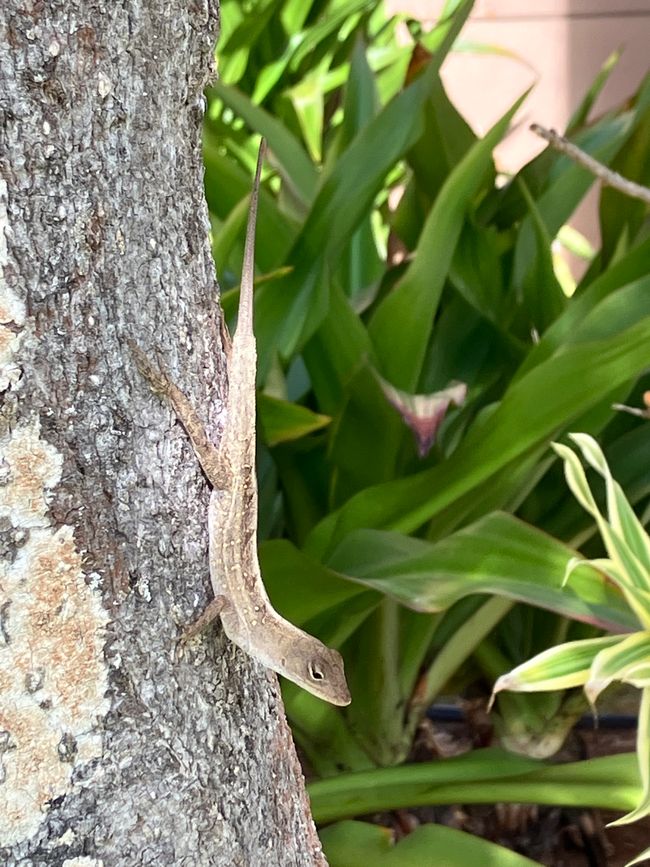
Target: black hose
452, 713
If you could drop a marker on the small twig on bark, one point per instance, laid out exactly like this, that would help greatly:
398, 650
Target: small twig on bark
607, 176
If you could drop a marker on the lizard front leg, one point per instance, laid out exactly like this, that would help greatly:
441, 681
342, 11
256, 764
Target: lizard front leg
211, 612
206, 452
160, 383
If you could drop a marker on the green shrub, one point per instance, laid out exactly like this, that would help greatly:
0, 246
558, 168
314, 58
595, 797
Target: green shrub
415, 364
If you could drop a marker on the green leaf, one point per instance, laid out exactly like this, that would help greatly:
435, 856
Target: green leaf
308, 100
361, 103
226, 187
364, 792
542, 298
444, 142
632, 267
322, 732
360, 265
282, 421
294, 13
637, 599
483, 776
358, 456
373, 676
577, 479
644, 856
498, 554
299, 587
287, 154
538, 724
477, 272
350, 844
290, 317
327, 26
401, 325
620, 310
238, 42
575, 242
627, 456
228, 235
568, 184
621, 217
293, 16
336, 352
454, 653
532, 411
580, 115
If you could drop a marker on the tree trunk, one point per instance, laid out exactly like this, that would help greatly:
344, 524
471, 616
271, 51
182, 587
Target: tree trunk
112, 750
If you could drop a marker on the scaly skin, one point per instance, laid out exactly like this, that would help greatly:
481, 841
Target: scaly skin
240, 599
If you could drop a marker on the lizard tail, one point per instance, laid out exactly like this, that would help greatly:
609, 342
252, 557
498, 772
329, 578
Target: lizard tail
245, 314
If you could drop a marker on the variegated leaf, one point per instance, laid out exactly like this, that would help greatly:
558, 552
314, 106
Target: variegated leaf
638, 675
559, 667
577, 480
644, 856
643, 757
616, 546
612, 663
621, 515
638, 600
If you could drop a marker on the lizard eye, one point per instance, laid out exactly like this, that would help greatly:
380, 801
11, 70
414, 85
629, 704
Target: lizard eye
315, 672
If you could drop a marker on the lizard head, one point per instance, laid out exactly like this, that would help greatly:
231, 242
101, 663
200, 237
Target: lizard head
318, 669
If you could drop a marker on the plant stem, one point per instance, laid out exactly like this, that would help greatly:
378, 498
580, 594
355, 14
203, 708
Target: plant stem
453, 654
607, 176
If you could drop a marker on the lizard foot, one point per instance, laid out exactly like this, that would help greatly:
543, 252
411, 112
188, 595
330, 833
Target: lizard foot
210, 613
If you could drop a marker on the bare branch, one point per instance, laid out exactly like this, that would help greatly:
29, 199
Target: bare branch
607, 176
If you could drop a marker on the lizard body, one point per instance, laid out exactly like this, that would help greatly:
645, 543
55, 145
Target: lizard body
240, 599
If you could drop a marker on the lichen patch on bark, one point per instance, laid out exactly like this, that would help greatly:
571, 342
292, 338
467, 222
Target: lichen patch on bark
31, 469
53, 676
12, 310
9, 370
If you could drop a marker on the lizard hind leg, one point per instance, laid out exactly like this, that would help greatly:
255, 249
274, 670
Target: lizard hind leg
211, 612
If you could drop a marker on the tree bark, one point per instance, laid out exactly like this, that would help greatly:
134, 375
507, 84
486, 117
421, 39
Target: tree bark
112, 750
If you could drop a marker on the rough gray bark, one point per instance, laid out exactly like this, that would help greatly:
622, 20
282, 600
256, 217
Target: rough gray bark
111, 751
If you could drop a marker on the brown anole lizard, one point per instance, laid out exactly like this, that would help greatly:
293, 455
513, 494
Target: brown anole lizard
240, 599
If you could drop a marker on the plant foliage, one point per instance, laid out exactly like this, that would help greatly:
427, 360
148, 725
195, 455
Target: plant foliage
415, 362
